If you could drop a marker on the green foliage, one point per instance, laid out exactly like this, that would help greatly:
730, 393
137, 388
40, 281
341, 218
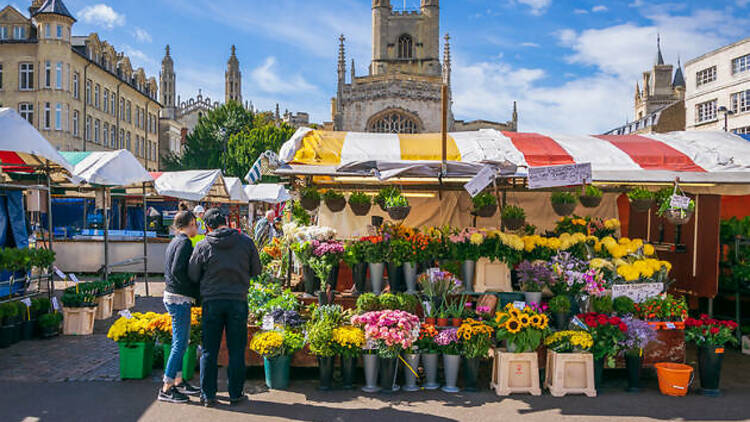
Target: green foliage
663, 200
563, 197
483, 199
400, 251
311, 193
50, 320
8, 312
245, 147
513, 212
639, 193
455, 308
389, 301
602, 305
299, 214
735, 263
368, 302
323, 320
396, 201
560, 304
78, 300
331, 195
386, 193
408, 303
591, 190
623, 305
359, 198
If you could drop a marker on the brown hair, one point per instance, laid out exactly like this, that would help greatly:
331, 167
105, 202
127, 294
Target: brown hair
183, 219
183, 206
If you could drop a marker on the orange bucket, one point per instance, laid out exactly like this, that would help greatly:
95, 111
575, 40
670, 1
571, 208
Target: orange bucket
674, 378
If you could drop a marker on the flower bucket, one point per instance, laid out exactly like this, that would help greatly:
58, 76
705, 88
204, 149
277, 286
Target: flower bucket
188, 360
674, 378
359, 276
388, 375
533, 297
410, 277
348, 365
430, 363
371, 363
136, 360
277, 372
312, 282
451, 365
468, 268
633, 363
325, 365
709, 369
396, 277
471, 374
376, 276
410, 379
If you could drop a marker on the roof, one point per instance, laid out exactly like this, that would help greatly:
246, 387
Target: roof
192, 185
56, 7
679, 79
107, 168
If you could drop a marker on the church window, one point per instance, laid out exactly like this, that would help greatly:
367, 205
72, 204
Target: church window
393, 122
405, 47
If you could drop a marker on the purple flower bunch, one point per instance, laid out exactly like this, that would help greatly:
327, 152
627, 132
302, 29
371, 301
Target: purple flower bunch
291, 319
331, 247
568, 273
595, 283
447, 337
638, 335
533, 277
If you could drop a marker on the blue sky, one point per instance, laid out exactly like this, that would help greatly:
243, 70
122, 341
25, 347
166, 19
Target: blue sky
571, 65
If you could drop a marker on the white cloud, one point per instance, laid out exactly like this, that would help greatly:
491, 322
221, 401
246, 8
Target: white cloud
599, 8
580, 11
530, 44
141, 35
101, 15
267, 78
743, 3
538, 7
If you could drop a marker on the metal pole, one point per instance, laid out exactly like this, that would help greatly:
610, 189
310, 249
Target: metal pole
50, 281
444, 129
145, 240
106, 233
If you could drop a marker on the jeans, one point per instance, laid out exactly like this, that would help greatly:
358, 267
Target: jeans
218, 315
180, 314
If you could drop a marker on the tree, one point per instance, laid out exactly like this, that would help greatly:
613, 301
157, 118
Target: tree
245, 147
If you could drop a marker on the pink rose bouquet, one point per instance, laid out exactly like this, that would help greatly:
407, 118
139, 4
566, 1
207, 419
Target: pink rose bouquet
390, 331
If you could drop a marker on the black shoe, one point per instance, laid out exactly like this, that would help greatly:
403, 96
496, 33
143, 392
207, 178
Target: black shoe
186, 388
172, 396
208, 402
237, 400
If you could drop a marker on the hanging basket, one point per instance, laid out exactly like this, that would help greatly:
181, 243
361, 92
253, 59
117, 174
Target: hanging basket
513, 223
641, 205
359, 208
563, 208
678, 217
309, 204
399, 213
486, 211
336, 205
381, 204
590, 201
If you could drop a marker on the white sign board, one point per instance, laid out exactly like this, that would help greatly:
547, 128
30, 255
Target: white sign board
73, 278
56, 304
267, 322
638, 292
565, 175
679, 202
125, 313
26, 302
483, 179
60, 273
520, 305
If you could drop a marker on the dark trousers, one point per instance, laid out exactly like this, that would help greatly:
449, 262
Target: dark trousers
219, 315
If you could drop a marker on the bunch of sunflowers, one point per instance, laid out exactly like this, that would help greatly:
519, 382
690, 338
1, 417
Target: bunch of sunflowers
522, 330
476, 338
570, 341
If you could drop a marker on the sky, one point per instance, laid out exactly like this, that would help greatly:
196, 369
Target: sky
571, 65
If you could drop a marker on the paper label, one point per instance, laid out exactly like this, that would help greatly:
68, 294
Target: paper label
519, 305
638, 292
427, 307
60, 273
26, 302
670, 326
73, 278
267, 322
578, 323
565, 175
483, 179
125, 313
55, 304
679, 202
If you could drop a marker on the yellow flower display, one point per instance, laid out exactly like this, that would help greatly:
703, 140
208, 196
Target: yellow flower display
648, 250
267, 343
349, 337
569, 341
612, 224
476, 238
136, 329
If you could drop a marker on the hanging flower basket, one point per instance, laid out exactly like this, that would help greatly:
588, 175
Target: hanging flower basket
360, 208
487, 211
381, 204
563, 208
336, 204
513, 223
310, 204
399, 213
590, 201
641, 205
678, 217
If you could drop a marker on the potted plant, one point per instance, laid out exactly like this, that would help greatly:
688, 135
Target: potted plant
430, 352
8, 313
348, 342
560, 307
375, 254
418, 252
360, 203
136, 342
431, 314
384, 194
161, 326
354, 257
608, 333
476, 340
563, 202
28, 319
319, 333
368, 302
450, 346
710, 335
277, 348
591, 196
442, 317
675, 211
570, 366
49, 324
513, 217
79, 310
522, 329
436, 284
485, 204
335, 201
533, 278
398, 253
310, 198
623, 306
455, 310
398, 207
638, 335
641, 199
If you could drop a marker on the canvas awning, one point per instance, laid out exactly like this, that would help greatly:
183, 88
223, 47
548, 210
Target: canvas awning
108, 168
267, 192
235, 188
192, 185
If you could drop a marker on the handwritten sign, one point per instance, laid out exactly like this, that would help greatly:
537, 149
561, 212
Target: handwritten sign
671, 326
427, 306
60, 273
679, 202
483, 179
578, 323
267, 322
73, 278
638, 292
565, 175
125, 313
56, 304
26, 302
520, 305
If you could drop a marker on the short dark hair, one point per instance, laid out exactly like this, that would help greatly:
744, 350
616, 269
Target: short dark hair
183, 219
183, 206
214, 218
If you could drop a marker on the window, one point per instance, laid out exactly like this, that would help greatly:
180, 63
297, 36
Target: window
105, 133
66, 119
47, 31
137, 116
122, 109
129, 111
742, 130
26, 76
26, 111
705, 76
59, 75
113, 138
137, 146
75, 85
405, 47
47, 74
47, 117
741, 64
75, 122
1, 76
88, 92
59, 32
67, 76
19, 33
705, 112
127, 141
58, 116
97, 126
106, 100
740, 101
112, 105
3, 32
393, 122
97, 88
122, 139
88, 128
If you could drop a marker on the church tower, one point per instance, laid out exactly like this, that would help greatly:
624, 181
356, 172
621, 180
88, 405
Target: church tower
167, 90
659, 88
233, 86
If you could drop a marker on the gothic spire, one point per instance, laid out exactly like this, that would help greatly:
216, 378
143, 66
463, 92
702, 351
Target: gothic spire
637, 91
659, 58
342, 60
447, 59
679, 79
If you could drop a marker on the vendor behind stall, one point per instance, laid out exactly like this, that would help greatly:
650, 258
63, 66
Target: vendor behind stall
199, 211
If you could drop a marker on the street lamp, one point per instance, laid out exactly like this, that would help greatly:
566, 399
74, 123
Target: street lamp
727, 113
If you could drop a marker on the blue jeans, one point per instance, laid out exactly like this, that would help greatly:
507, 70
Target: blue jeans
180, 337
218, 315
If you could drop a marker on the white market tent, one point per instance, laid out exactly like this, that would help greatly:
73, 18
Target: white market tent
236, 192
192, 185
271, 193
108, 168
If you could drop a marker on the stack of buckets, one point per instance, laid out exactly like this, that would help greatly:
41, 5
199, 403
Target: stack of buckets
674, 378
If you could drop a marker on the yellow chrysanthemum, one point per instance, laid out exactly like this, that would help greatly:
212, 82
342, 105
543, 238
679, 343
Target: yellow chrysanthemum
648, 250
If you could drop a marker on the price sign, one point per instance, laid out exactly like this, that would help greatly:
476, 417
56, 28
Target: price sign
73, 278
520, 305
565, 175
483, 179
267, 322
671, 326
638, 292
26, 302
427, 307
125, 313
56, 304
679, 202
60, 273
578, 323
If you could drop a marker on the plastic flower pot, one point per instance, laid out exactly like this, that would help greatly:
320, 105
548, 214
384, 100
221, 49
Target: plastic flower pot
6, 335
333, 277
27, 331
312, 282
388, 375
359, 276
430, 320
633, 362
371, 363
410, 378
442, 322
533, 297
467, 274
456, 322
348, 365
471, 374
451, 365
189, 359
396, 277
430, 363
325, 365
410, 277
277, 371
49, 332
136, 360
709, 369
17, 331
376, 276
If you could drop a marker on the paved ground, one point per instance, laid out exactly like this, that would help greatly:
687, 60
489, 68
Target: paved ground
76, 379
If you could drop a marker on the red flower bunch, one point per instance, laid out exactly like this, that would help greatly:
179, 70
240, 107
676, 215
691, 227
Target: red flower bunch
594, 320
607, 332
706, 331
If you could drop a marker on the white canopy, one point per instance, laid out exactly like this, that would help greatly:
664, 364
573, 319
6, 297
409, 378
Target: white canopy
236, 192
271, 193
109, 168
192, 185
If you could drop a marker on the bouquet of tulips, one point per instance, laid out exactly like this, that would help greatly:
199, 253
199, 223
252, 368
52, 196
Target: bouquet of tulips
390, 331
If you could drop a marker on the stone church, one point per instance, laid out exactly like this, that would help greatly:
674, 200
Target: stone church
402, 92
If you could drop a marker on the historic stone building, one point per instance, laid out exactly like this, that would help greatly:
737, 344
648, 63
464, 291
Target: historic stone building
78, 91
402, 92
660, 105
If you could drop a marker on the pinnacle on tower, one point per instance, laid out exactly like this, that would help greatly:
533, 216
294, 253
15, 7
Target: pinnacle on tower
679, 79
342, 60
447, 59
659, 58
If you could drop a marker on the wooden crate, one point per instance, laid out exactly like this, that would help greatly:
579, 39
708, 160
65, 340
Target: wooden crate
104, 306
570, 373
78, 321
124, 298
515, 373
492, 276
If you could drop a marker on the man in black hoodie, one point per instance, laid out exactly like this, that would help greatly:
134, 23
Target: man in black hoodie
223, 263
